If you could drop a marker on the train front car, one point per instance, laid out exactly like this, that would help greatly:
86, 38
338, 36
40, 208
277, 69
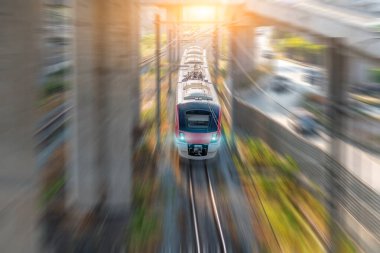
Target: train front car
198, 130
198, 113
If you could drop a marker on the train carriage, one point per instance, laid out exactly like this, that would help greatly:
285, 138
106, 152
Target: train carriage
198, 112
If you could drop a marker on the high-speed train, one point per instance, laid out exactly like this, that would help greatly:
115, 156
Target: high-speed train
198, 112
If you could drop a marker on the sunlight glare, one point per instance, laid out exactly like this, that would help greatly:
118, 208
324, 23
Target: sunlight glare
199, 13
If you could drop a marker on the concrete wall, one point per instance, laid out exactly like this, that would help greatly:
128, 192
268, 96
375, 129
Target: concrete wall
106, 102
19, 72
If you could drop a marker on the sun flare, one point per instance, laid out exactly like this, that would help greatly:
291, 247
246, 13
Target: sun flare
199, 13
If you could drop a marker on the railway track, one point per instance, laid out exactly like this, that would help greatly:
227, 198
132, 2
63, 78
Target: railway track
211, 199
52, 124
51, 127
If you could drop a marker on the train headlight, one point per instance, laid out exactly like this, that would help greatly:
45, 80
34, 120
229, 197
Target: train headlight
181, 137
214, 138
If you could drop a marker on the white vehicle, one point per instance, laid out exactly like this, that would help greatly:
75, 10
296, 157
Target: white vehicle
198, 113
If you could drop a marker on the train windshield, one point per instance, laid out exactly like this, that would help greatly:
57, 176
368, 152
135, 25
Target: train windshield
198, 118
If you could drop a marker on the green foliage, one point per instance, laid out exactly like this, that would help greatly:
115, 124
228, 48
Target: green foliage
148, 44
223, 72
54, 85
141, 194
61, 73
143, 226
289, 165
375, 75
268, 185
144, 222
345, 244
299, 42
55, 82
275, 177
148, 115
298, 48
52, 190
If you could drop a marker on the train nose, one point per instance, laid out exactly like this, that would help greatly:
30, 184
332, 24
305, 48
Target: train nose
198, 138
197, 149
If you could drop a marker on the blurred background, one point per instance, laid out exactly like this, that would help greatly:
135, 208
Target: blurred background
88, 159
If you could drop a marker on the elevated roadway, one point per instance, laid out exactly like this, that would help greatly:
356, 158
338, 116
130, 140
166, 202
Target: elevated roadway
360, 33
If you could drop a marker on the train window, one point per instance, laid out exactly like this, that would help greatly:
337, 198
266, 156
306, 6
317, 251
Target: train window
198, 117
199, 120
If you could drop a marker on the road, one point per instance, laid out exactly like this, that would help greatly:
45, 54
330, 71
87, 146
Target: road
362, 164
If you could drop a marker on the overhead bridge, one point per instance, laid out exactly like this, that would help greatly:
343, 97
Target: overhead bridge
358, 31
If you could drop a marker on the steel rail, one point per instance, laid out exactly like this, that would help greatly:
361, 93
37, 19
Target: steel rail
195, 220
215, 211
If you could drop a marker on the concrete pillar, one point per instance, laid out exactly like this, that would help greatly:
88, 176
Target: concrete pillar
19, 74
241, 54
106, 88
133, 34
337, 95
241, 61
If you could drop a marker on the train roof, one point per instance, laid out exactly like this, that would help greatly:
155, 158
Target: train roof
194, 48
194, 55
194, 68
188, 56
193, 60
195, 51
196, 91
191, 47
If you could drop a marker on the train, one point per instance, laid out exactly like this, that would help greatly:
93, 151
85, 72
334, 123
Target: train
198, 111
